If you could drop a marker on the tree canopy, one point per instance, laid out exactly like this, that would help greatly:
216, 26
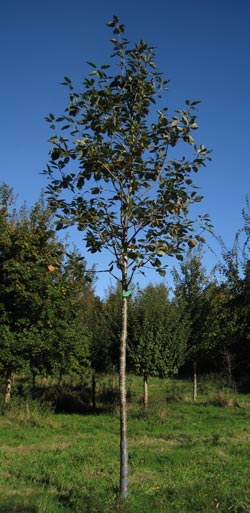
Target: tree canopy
113, 171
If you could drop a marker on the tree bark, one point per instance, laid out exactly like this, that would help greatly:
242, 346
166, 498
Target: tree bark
123, 404
33, 384
228, 361
60, 380
8, 389
113, 379
194, 381
145, 392
93, 392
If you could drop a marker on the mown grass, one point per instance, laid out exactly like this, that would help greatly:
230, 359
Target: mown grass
183, 457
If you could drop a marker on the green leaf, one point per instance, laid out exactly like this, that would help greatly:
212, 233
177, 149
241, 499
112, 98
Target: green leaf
113, 22
161, 272
91, 64
95, 190
200, 239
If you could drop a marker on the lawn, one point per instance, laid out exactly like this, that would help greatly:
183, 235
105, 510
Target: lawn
183, 457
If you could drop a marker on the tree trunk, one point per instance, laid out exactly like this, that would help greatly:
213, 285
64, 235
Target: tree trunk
194, 381
33, 384
228, 358
113, 379
145, 392
93, 392
8, 388
60, 380
27, 409
123, 404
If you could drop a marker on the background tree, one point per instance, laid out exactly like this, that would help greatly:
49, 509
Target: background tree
233, 292
190, 285
69, 331
111, 174
242, 348
240, 286
220, 328
158, 340
27, 246
112, 311
40, 295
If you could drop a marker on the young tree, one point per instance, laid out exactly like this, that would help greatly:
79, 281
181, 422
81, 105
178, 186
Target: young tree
233, 295
114, 177
243, 326
220, 327
159, 337
68, 323
190, 285
104, 320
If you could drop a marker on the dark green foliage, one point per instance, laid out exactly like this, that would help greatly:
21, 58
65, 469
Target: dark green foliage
192, 295
27, 247
242, 335
231, 309
158, 338
69, 327
105, 319
41, 296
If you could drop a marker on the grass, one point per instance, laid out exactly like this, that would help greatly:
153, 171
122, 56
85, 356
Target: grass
183, 457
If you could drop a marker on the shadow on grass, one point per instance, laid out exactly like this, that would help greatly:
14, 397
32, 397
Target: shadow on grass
11, 506
68, 398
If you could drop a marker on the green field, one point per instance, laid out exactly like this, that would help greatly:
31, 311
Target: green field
183, 457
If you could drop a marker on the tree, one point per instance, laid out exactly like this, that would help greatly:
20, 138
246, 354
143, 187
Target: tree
243, 334
41, 292
233, 331
69, 332
158, 335
190, 286
114, 178
27, 247
104, 321
243, 325
220, 327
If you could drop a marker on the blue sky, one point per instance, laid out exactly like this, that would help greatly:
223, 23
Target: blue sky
203, 47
